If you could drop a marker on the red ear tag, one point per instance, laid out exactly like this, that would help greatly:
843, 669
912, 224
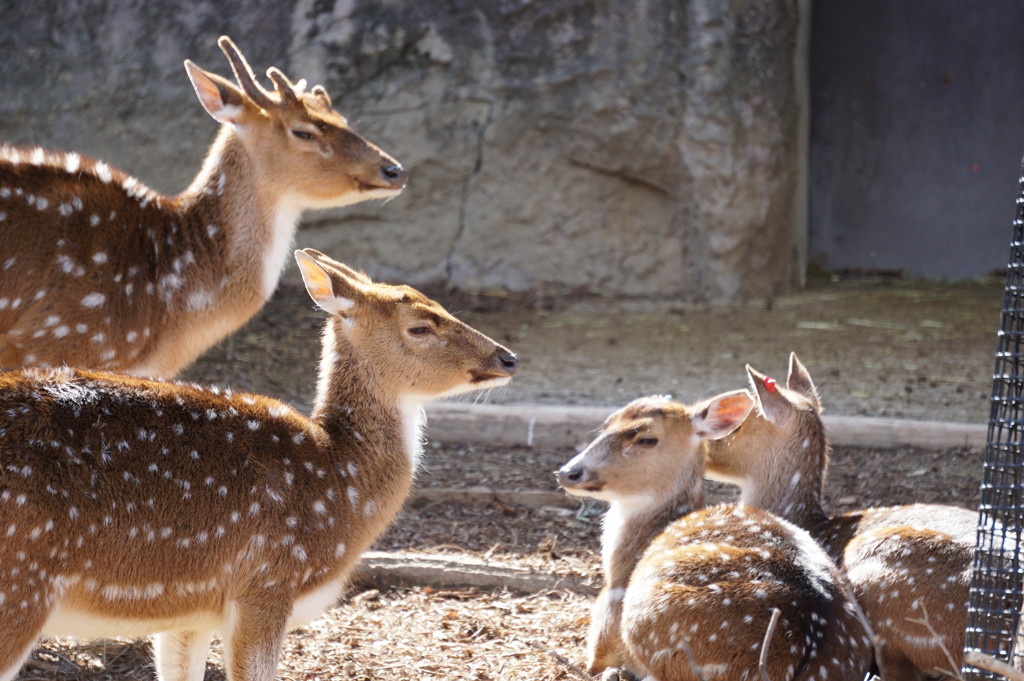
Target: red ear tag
769, 384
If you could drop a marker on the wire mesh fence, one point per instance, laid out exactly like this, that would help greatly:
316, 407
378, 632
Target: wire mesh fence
994, 608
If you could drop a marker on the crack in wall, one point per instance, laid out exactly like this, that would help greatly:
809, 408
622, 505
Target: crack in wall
622, 175
449, 264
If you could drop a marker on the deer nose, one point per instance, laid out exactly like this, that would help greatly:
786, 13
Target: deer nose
393, 173
569, 476
509, 362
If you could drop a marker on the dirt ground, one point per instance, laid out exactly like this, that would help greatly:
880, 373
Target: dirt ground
919, 350
875, 348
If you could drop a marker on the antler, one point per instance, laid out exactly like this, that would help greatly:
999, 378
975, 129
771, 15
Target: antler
244, 74
289, 91
321, 92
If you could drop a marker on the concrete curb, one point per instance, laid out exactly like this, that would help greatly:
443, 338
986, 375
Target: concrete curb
565, 426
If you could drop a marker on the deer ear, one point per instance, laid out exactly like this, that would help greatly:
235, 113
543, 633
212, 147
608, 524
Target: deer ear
723, 414
330, 263
799, 380
774, 406
219, 97
330, 291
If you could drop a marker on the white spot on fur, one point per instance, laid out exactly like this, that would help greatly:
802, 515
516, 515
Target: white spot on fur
200, 300
103, 172
93, 299
65, 263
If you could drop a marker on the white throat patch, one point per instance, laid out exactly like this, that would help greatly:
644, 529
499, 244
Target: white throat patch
286, 221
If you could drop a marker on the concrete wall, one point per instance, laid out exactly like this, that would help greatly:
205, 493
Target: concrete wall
619, 147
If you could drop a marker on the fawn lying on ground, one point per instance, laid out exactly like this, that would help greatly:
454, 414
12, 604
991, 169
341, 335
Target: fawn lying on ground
131, 506
682, 582
99, 271
906, 564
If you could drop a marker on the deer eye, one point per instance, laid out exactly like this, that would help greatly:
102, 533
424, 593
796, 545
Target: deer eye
419, 330
304, 135
647, 441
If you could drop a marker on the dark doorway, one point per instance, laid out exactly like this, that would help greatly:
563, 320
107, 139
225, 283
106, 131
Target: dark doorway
917, 133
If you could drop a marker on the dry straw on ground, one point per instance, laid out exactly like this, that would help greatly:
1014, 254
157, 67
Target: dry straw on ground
392, 635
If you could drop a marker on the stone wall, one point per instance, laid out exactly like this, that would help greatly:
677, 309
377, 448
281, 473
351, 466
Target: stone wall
621, 147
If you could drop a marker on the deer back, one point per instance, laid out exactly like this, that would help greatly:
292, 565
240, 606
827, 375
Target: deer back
910, 568
137, 500
700, 602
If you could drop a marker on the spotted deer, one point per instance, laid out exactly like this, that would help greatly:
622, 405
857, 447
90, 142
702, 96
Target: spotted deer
99, 271
909, 566
689, 592
131, 506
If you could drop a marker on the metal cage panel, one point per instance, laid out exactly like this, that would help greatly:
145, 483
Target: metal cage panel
994, 608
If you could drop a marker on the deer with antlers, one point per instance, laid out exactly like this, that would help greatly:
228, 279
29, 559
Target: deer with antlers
689, 593
909, 566
131, 506
99, 271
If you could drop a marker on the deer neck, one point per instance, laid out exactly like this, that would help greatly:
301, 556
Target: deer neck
257, 224
374, 428
631, 524
789, 479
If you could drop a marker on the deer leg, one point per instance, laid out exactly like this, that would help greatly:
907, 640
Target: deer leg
252, 640
11, 660
896, 667
604, 640
621, 674
10, 354
19, 634
181, 655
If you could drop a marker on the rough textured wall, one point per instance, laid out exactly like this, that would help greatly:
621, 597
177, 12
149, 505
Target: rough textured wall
623, 147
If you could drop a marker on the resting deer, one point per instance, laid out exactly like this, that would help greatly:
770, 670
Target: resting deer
132, 506
99, 271
686, 588
907, 565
